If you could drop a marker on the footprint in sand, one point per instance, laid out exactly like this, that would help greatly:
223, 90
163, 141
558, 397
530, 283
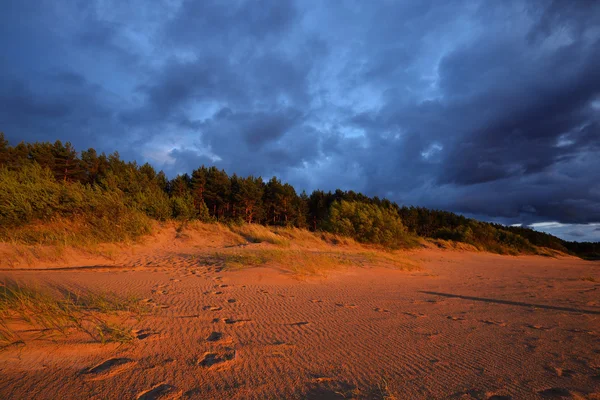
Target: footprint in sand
218, 338
301, 323
109, 368
219, 358
379, 309
231, 321
566, 373
142, 334
162, 391
214, 337
193, 393
453, 318
231, 300
416, 315
212, 308
492, 322
316, 301
539, 327
346, 305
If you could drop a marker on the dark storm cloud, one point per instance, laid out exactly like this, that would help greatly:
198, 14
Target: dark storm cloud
223, 22
491, 110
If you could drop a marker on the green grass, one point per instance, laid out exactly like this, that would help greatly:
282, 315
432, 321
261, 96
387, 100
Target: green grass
61, 311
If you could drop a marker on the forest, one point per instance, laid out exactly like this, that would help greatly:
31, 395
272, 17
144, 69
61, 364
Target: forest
109, 199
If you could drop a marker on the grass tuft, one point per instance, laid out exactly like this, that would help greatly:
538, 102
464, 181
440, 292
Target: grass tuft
258, 234
63, 311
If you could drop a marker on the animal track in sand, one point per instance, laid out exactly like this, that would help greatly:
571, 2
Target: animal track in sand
217, 293
346, 305
212, 308
162, 391
109, 368
211, 359
231, 300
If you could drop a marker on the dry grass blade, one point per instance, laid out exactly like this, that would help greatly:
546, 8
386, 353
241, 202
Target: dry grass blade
62, 311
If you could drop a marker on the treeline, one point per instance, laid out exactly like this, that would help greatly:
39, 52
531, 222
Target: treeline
41, 180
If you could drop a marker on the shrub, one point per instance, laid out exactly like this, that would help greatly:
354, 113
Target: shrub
64, 212
183, 207
367, 223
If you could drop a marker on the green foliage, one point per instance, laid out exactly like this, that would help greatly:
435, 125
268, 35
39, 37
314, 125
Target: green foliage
104, 198
183, 207
367, 223
32, 194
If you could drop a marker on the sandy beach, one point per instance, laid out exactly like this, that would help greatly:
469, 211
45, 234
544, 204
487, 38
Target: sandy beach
465, 325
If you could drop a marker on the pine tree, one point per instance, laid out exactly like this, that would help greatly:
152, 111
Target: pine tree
67, 166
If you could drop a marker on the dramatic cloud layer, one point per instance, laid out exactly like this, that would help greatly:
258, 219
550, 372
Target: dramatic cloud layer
491, 109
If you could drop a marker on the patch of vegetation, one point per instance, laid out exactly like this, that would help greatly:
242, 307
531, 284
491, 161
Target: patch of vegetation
309, 263
259, 234
63, 311
52, 194
36, 209
368, 223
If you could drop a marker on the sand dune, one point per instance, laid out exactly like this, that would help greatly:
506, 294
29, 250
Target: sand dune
465, 325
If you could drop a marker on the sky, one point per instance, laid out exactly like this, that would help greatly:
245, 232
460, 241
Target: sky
490, 109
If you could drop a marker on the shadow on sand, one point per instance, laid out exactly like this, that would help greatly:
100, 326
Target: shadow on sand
512, 303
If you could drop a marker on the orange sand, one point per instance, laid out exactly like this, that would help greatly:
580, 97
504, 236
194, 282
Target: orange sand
467, 326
